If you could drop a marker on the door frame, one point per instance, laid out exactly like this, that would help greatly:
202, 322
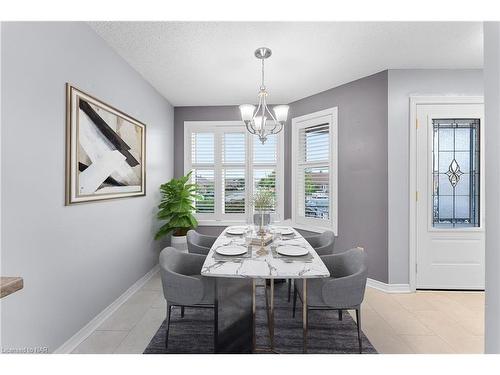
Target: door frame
412, 193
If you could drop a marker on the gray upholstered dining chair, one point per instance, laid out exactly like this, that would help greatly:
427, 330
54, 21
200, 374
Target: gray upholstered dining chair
322, 244
183, 286
343, 290
199, 243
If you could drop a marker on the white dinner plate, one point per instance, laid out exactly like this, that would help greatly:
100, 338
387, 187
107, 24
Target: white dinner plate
231, 250
284, 231
292, 251
236, 230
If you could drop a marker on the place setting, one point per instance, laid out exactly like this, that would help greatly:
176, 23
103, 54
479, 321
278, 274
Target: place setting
236, 231
292, 249
285, 231
234, 248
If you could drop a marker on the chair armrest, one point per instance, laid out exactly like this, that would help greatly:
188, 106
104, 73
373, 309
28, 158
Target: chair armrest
345, 291
330, 259
200, 250
182, 289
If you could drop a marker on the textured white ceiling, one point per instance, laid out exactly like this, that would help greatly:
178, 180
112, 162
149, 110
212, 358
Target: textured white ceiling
212, 63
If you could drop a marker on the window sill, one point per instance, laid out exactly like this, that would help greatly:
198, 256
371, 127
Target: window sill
226, 223
309, 228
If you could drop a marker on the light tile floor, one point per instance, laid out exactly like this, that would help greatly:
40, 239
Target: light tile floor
422, 322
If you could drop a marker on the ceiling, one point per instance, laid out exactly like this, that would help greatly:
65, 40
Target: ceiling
212, 63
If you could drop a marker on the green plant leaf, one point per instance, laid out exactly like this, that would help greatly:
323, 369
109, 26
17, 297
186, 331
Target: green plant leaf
176, 205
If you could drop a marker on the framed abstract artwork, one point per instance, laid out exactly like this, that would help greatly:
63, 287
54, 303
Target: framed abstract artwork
105, 151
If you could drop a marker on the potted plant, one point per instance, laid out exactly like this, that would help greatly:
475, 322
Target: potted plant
176, 208
263, 202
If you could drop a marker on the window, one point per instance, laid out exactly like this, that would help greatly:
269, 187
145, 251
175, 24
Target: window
203, 164
265, 158
233, 172
456, 159
229, 165
314, 180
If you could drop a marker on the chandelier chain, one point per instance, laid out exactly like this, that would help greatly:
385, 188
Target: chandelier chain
262, 86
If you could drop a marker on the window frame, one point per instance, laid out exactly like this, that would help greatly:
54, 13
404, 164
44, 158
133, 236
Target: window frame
329, 116
218, 218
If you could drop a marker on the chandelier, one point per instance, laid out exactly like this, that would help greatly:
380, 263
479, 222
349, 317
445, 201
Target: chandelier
260, 121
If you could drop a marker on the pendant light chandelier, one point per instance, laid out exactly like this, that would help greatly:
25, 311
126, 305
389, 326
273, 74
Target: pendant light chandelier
260, 121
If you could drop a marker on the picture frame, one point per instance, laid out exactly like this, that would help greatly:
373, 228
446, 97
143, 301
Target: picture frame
105, 150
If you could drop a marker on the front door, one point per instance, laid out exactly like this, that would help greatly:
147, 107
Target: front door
450, 199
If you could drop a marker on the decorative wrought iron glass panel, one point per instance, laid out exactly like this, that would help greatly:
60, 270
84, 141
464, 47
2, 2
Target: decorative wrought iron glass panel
456, 161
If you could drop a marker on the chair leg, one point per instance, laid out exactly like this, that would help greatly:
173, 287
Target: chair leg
294, 300
358, 323
289, 288
340, 314
182, 311
169, 310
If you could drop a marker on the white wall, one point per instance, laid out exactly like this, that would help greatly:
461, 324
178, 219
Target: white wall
402, 84
492, 139
75, 260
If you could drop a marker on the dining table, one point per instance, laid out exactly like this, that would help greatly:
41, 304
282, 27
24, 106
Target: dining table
244, 258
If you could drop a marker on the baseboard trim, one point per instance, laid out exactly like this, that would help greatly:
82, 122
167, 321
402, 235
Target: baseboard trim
388, 288
91, 326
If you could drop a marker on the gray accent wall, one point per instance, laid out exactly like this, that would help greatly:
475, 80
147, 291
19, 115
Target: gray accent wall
75, 260
401, 85
362, 170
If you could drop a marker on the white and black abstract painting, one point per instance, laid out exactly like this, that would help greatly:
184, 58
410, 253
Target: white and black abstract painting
105, 151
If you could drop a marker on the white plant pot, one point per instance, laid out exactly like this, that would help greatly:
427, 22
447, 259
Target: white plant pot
179, 242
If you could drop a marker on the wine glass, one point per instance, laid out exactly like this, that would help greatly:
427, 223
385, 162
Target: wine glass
248, 236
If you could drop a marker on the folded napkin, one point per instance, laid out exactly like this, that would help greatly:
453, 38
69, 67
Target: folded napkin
290, 242
231, 241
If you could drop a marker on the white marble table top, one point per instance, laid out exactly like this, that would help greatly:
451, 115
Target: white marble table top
267, 266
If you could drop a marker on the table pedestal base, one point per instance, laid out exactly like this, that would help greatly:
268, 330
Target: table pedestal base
233, 316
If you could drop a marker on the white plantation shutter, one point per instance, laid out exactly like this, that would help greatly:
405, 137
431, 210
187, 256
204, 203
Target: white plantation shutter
314, 182
233, 172
313, 168
265, 179
203, 166
265, 161
265, 153
205, 180
229, 165
202, 148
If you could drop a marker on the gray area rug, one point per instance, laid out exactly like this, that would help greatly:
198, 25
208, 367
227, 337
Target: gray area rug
194, 332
